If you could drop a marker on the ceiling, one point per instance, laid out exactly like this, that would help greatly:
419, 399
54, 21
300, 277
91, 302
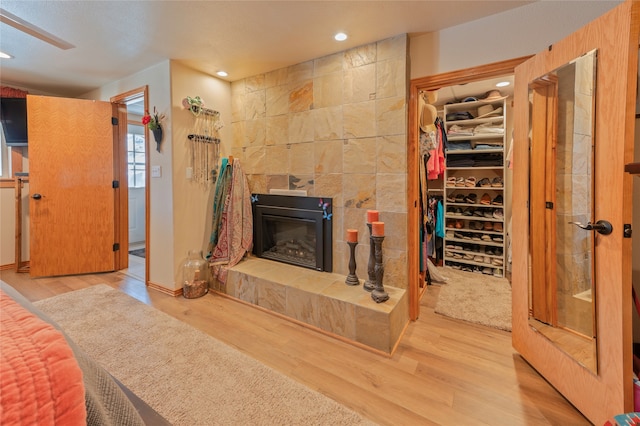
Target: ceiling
114, 39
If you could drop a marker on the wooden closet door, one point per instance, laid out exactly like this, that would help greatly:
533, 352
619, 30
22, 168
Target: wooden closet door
608, 390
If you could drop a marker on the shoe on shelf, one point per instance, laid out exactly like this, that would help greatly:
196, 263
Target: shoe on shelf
497, 227
451, 181
459, 198
470, 182
483, 183
469, 211
471, 198
497, 182
460, 182
497, 201
498, 213
486, 199
488, 226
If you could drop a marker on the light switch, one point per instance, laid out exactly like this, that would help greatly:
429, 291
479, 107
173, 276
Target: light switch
156, 171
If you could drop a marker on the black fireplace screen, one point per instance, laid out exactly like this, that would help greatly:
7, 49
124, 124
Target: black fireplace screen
294, 230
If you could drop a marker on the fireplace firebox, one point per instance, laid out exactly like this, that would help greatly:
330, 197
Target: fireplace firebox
293, 229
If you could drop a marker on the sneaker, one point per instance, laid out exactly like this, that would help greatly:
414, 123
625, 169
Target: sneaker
497, 201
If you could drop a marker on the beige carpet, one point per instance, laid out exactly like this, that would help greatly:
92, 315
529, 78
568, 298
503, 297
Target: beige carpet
473, 297
187, 376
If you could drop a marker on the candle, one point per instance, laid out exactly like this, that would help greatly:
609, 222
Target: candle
352, 235
377, 229
372, 216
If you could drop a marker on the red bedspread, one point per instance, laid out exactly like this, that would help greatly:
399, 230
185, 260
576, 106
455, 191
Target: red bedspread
40, 380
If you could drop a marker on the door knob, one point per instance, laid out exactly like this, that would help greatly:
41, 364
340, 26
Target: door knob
36, 196
602, 226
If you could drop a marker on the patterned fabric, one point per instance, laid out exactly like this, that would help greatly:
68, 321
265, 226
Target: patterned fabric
235, 237
223, 187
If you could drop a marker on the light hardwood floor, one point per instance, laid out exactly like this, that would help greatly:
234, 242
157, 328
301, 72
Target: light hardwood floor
444, 372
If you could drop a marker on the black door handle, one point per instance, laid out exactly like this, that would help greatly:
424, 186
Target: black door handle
602, 226
36, 196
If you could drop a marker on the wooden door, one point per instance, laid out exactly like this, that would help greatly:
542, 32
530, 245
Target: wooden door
606, 390
71, 172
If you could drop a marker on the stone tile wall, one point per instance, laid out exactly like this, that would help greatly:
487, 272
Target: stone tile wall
336, 127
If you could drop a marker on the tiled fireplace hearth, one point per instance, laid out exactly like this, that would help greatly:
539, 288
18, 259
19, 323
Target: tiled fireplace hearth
320, 300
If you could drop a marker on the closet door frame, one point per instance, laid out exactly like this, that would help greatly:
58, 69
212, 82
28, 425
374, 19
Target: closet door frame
433, 82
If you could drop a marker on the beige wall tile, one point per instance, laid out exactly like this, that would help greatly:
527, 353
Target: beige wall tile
277, 159
327, 156
277, 101
254, 83
277, 132
359, 56
394, 47
254, 159
391, 154
360, 83
327, 64
327, 90
391, 116
359, 191
255, 132
301, 96
301, 159
359, 119
301, 181
301, 127
328, 123
360, 156
277, 182
391, 78
254, 105
394, 188
300, 72
276, 78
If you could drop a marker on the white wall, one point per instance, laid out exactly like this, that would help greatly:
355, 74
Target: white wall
161, 242
193, 201
518, 32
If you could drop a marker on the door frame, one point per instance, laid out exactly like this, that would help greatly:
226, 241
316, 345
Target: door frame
429, 83
122, 210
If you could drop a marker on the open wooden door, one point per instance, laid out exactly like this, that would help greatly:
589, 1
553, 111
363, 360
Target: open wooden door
544, 229
72, 174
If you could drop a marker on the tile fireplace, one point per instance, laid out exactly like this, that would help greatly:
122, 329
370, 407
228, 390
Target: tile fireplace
293, 229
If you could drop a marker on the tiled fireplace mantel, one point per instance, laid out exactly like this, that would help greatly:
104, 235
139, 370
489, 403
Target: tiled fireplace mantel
320, 300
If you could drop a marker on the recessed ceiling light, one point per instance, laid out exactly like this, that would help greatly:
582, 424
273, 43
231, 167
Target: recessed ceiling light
5, 55
502, 84
222, 73
340, 37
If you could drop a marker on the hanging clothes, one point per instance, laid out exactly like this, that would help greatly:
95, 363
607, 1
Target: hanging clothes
235, 233
223, 186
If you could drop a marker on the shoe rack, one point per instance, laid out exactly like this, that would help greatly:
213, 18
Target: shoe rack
474, 186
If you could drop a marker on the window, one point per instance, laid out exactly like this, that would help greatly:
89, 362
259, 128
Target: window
136, 156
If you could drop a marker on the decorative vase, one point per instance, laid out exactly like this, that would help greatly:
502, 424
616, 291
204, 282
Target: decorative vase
195, 277
157, 135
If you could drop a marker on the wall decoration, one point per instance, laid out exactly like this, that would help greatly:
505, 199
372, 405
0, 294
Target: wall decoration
204, 140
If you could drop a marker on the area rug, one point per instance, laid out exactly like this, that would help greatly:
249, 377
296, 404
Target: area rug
473, 297
187, 376
138, 252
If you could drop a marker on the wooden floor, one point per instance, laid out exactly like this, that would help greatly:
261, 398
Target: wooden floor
444, 372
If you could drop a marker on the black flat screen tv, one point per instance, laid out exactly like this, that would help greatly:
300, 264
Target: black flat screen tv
13, 116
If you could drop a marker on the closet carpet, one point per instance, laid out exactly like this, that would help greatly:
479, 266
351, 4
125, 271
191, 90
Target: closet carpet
475, 297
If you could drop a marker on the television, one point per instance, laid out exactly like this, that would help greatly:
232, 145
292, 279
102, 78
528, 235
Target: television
13, 116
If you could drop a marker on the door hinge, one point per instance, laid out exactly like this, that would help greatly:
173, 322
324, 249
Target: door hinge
116, 246
626, 230
114, 121
549, 205
115, 184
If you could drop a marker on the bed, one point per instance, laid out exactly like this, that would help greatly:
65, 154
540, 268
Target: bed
47, 379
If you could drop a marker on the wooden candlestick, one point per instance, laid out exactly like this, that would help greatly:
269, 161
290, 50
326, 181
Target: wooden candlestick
352, 278
378, 294
370, 283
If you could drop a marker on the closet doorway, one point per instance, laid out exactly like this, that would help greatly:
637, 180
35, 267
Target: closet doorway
135, 157
450, 88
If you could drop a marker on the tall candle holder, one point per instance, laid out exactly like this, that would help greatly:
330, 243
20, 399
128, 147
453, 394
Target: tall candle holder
352, 278
370, 283
378, 294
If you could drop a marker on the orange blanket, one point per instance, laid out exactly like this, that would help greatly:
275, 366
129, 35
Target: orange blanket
40, 380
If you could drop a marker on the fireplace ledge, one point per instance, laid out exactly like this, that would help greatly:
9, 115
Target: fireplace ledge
321, 300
